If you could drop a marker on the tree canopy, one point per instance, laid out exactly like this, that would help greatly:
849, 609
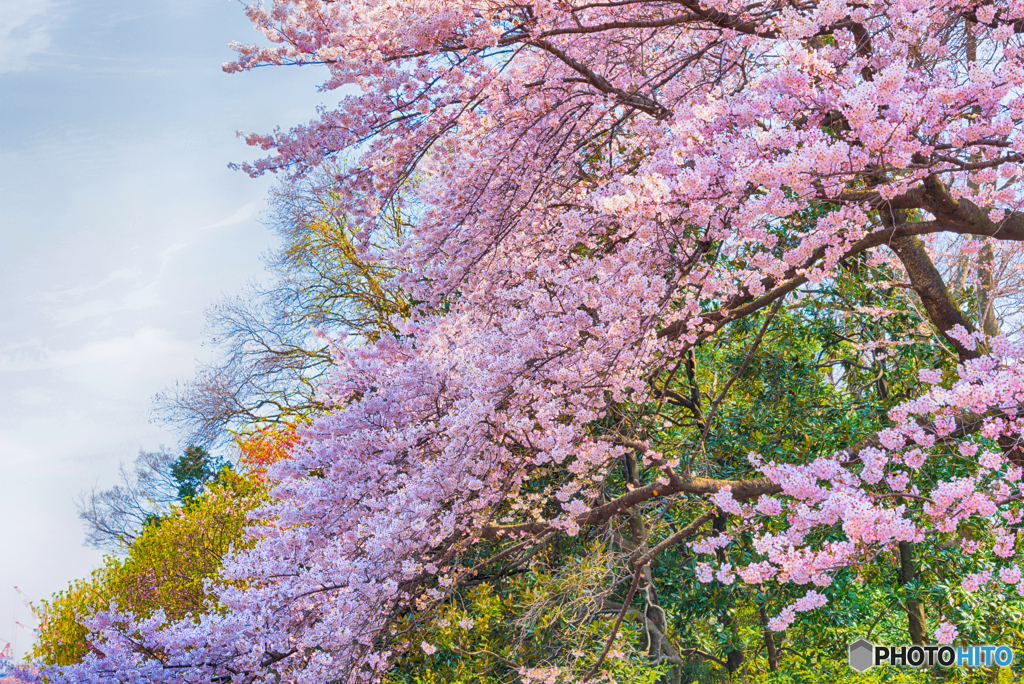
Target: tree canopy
696, 310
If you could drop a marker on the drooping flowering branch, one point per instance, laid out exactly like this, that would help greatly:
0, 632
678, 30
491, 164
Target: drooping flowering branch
597, 189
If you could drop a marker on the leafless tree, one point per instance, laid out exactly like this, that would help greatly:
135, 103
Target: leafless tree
272, 353
114, 517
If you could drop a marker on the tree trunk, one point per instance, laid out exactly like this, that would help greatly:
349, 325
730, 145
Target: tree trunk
987, 320
733, 657
917, 624
769, 641
931, 289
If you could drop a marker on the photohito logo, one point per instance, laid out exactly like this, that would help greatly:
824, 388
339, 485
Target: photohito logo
864, 655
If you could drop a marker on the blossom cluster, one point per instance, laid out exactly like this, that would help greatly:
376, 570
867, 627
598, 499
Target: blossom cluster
591, 190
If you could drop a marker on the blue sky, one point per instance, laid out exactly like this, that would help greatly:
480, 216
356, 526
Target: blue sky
119, 224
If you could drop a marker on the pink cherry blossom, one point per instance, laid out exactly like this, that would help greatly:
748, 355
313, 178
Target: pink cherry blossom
946, 633
591, 190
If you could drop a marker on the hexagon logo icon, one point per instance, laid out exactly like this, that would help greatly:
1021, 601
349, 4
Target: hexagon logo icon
861, 655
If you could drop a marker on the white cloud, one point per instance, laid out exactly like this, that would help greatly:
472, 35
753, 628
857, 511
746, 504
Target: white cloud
36, 396
135, 300
149, 353
24, 31
237, 217
119, 223
129, 273
136, 288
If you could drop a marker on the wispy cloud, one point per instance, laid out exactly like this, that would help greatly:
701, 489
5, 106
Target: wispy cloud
24, 32
148, 352
134, 288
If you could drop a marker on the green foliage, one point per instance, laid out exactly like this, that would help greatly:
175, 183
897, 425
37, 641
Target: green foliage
806, 380
492, 632
194, 469
813, 670
810, 377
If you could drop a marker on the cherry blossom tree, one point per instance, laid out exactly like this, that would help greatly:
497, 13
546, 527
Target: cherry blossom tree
595, 190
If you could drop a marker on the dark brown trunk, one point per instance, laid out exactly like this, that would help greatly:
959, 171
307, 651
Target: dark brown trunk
769, 641
929, 286
987, 320
734, 656
917, 624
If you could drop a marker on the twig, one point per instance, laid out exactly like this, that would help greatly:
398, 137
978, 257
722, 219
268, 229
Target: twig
639, 566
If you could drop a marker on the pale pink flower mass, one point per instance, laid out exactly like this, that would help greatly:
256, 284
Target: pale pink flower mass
549, 283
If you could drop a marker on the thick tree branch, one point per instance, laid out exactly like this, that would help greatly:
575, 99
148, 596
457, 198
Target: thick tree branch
742, 490
928, 283
634, 100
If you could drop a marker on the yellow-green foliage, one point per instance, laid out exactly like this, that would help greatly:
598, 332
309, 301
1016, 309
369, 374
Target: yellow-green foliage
166, 568
544, 619
336, 283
